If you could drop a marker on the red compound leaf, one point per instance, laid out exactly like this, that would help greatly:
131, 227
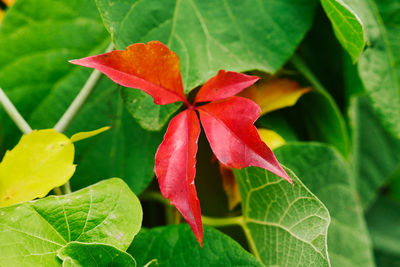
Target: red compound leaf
151, 67
175, 167
233, 137
224, 85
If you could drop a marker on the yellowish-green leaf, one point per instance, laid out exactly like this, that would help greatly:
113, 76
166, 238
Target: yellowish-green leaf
271, 138
275, 94
83, 135
40, 161
1, 15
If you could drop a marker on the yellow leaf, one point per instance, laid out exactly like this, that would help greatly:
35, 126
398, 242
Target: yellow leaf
9, 2
1, 15
83, 135
271, 138
40, 161
274, 94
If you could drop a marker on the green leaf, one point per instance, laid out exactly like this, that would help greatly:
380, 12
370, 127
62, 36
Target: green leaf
32, 232
376, 154
326, 174
379, 64
383, 222
150, 116
347, 27
35, 73
323, 120
211, 35
175, 245
37, 39
286, 225
89, 254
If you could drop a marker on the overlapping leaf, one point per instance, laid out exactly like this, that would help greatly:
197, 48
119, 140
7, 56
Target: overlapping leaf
326, 174
173, 245
78, 254
285, 225
31, 233
378, 65
41, 161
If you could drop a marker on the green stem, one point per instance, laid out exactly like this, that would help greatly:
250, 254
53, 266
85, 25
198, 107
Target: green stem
66, 188
221, 222
80, 99
13, 113
57, 191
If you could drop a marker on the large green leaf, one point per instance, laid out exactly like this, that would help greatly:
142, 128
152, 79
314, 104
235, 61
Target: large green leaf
210, 35
32, 232
37, 40
376, 154
78, 254
348, 28
175, 245
328, 176
379, 64
286, 225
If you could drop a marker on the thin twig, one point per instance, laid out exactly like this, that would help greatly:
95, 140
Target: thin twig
13, 113
80, 99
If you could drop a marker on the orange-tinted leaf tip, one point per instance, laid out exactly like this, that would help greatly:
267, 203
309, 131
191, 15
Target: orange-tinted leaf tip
151, 67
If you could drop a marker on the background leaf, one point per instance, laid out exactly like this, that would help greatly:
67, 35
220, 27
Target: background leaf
285, 224
212, 35
375, 154
327, 175
347, 27
175, 245
37, 40
32, 232
88, 254
379, 64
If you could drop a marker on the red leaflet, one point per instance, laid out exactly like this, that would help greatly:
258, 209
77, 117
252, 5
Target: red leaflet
175, 168
224, 85
151, 67
233, 137
228, 123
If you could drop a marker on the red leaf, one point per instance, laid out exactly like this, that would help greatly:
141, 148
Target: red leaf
224, 85
233, 137
175, 168
151, 67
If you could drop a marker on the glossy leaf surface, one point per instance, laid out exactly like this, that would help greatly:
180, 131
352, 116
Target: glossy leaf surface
233, 137
174, 245
224, 85
379, 64
324, 171
347, 26
33, 232
151, 67
175, 168
285, 224
78, 254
